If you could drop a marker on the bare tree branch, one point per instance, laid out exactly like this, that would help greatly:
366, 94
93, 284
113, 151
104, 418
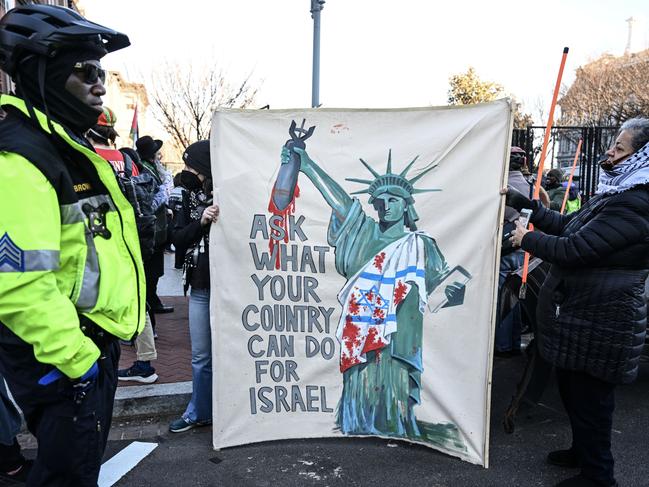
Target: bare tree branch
608, 91
185, 97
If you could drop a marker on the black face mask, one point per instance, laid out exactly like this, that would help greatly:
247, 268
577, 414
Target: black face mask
551, 184
190, 181
516, 161
62, 105
207, 186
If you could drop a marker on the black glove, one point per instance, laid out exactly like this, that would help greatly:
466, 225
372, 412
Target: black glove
73, 388
517, 200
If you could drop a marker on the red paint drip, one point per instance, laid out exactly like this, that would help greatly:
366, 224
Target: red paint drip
373, 341
354, 307
400, 292
350, 335
348, 362
284, 214
351, 339
378, 261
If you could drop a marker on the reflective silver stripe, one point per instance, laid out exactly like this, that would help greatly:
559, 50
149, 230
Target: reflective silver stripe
35, 260
90, 286
42, 260
71, 214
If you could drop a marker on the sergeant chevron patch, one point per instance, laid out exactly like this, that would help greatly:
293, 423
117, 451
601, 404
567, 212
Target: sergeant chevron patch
11, 255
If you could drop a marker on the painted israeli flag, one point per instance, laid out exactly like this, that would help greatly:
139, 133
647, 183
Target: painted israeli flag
370, 298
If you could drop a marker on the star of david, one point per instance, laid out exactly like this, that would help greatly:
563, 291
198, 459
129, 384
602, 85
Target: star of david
364, 301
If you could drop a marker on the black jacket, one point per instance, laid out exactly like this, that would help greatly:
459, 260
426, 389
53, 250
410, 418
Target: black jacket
160, 235
592, 309
191, 239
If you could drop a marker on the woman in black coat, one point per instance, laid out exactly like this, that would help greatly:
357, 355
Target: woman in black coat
592, 309
191, 239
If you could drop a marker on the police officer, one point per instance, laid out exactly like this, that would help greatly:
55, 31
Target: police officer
71, 277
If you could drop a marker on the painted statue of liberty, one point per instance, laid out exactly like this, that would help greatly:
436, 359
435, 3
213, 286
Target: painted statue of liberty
391, 269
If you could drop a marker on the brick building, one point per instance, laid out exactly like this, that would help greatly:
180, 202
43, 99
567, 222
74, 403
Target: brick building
122, 95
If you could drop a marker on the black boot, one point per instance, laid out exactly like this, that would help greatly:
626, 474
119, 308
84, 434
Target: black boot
563, 458
13, 465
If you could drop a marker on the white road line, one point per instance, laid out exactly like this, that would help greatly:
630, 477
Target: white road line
118, 466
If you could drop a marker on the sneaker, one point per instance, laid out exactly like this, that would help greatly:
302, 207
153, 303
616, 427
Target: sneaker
181, 424
563, 458
18, 475
138, 372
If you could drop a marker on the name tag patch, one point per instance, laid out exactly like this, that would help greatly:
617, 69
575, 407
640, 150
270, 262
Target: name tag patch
81, 187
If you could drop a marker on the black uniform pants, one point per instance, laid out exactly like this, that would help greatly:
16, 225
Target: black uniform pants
153, 271
71, 434
10, 456
589, 403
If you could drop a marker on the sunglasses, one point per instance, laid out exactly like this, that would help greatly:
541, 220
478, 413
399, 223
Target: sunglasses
518, 157
90, 73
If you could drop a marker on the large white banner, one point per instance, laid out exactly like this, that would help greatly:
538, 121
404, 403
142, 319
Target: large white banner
354, 273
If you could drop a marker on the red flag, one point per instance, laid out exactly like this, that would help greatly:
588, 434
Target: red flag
134, 134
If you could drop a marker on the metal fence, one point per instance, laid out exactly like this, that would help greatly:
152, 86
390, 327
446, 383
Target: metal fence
562, 147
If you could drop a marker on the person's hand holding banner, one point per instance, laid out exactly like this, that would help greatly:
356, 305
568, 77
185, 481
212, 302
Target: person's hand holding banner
516, 199
210, 215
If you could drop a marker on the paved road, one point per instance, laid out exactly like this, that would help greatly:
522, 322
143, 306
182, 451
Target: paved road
516, 460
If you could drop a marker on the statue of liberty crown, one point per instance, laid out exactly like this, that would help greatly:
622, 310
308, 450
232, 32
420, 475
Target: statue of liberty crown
391, 182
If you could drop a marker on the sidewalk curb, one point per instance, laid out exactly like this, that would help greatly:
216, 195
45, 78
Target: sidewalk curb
136, 401
152, 400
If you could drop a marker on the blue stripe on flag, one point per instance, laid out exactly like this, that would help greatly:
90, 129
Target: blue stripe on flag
370, 319
391, 280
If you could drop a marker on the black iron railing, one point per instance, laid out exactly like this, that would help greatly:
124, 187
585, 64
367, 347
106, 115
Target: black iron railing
562, 148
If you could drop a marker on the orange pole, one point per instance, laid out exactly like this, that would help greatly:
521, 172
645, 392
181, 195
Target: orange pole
539, 174
572, 173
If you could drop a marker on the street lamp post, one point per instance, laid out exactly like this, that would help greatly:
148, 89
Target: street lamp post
316, 8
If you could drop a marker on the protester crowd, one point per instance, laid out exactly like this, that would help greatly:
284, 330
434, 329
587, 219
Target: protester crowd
87, 242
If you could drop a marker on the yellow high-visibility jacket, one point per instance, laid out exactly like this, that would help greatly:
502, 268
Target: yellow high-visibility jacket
68, 243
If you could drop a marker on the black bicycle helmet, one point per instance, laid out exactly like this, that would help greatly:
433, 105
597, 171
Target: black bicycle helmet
46, 29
